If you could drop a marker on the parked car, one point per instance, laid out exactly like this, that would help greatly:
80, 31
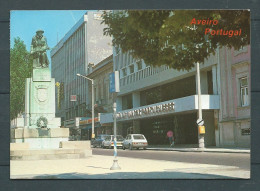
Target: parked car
97, 142
109, 141
135, 141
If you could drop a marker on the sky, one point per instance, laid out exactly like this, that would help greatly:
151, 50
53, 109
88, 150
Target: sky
55, 24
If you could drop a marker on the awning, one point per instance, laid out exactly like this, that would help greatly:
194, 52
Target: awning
89, 126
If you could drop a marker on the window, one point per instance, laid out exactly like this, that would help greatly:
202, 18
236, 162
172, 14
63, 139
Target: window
131, 68
139, 65
244, 91
127, 102
138, 136
123, 72
241, 48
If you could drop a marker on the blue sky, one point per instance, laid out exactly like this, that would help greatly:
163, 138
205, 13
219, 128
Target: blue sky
24, 24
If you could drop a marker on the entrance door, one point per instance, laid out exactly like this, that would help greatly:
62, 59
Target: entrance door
130, 130
183, 126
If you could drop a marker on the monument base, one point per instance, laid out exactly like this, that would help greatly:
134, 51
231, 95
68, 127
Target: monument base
40, 138
67, 150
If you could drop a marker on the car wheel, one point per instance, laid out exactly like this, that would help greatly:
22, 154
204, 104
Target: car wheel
137, 148
144, 148
94, 146
102, 146
109, 147
130, 147
123, 147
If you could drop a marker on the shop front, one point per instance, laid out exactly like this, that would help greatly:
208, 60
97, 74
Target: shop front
178, 115
183, 127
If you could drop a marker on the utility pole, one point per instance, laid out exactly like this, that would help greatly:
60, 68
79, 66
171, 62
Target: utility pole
200, 121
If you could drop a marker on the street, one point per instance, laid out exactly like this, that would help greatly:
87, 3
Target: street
240, 160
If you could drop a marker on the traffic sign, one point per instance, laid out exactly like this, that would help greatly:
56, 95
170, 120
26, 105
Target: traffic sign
200, 122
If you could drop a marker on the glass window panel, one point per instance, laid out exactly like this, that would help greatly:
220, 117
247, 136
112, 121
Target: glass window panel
244, 91
131, 69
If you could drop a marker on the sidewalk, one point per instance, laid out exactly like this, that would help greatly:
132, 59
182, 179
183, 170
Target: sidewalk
194, 148
98, 167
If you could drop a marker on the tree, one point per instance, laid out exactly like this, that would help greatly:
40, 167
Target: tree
169, 37
20, 69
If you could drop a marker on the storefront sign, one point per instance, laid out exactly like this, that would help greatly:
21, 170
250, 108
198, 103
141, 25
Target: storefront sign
246, 131
88, 121
73, 97
147, 111
77, 119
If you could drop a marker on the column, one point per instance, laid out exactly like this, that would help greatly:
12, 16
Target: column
119, 103
204, 82
136, 126
214, 80
136, 99
120, 129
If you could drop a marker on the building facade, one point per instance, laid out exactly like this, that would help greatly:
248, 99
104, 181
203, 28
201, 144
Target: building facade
102, 98
234, 118
83, 44
153, 100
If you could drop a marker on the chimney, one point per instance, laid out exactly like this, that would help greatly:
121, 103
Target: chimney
90, 67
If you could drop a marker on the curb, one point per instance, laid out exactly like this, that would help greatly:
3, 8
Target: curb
199, 150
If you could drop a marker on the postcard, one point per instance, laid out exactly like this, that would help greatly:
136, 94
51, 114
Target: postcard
130, 94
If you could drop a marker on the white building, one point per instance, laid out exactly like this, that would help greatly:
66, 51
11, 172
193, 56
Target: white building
154, 100
83, 44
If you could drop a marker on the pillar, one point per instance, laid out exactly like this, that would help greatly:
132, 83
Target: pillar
119, 103
136, 126
203, 82
136, 99
214, 80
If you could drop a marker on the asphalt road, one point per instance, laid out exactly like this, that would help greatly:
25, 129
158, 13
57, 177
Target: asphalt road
240, 160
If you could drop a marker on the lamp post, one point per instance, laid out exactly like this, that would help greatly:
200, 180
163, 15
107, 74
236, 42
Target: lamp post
114, 88
92, 89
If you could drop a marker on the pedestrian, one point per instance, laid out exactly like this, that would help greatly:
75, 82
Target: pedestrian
170, 137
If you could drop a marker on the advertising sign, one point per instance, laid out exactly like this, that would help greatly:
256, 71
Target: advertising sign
73, 98
114, 82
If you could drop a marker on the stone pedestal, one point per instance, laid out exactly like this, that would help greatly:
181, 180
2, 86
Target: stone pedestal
40, 100
40, 138
41, 128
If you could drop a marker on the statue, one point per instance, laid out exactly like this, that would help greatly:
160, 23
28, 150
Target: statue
38, 50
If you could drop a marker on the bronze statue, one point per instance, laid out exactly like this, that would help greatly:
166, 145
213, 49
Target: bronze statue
39, 47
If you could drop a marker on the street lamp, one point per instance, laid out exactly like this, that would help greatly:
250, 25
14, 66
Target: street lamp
92, 89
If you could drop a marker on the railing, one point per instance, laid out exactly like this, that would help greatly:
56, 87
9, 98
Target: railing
142, 74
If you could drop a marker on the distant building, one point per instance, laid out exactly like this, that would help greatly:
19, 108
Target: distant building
83, 44
103, 99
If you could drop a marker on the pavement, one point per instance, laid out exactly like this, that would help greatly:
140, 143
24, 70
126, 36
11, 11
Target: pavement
98, 167
194, 148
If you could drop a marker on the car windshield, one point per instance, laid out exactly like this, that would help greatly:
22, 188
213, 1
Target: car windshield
138, 136
118, 138
104, 137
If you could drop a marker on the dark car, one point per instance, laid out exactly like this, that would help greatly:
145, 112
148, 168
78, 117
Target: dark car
97, 142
